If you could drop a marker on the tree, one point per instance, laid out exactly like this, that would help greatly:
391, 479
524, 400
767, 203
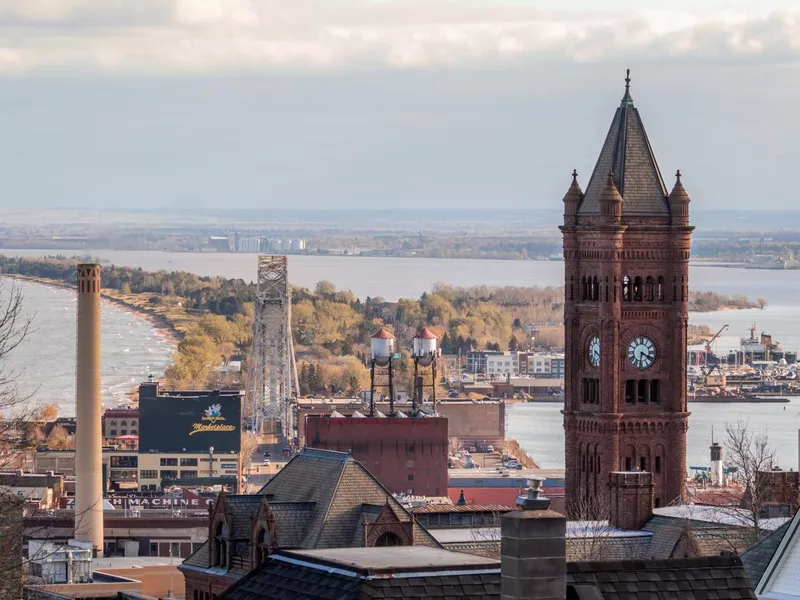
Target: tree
762, 303
325, 288
59, 439
750, 454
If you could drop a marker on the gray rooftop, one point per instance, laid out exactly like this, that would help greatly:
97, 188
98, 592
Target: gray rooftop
396, 559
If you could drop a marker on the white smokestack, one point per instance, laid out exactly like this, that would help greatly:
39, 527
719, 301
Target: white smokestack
88, 436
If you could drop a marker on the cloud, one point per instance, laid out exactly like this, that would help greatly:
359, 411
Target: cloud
220, 35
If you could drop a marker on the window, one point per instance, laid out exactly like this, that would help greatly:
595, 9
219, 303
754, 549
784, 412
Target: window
411, 477
133, 423
169, 474
630, 386
649, 289
153, 549
388, 539
123, 432
169, 462
637, 289
641, 395
188, 462
113, 422
655, 391
658, 464
148, 474
660, 289
642, 464
174, 549
626, 289
134, 432
188, 474
124, 461
628, 463
113, 432
658, 503
123, 423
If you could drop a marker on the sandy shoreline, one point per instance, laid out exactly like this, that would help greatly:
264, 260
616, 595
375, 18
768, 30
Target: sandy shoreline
170, 333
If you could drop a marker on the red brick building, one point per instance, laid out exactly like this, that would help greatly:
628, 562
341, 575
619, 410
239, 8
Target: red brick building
403, 453
626, 252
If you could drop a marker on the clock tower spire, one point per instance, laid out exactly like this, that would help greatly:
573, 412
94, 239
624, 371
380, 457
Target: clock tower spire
626, 253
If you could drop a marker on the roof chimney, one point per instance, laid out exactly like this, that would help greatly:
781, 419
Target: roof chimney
631, 499
533, 549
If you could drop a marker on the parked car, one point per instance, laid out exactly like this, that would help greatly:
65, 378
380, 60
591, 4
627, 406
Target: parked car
472, 449
490, 448
266, 462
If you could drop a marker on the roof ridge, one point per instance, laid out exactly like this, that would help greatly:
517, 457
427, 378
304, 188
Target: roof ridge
330, 501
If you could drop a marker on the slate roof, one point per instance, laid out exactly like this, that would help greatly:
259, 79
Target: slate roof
757, 557
320, 499
425, 573
628, 155
412, 573
706, 578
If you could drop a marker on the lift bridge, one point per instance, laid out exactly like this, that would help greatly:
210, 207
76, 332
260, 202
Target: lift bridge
271, 371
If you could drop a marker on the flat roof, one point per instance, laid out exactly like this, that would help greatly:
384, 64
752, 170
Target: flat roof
575, 530
134, 562
392, 559
509, 474
718, 515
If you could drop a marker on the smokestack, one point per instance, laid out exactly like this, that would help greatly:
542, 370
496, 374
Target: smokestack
88, 436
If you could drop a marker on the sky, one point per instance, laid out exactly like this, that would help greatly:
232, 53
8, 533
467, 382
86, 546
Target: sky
363, 104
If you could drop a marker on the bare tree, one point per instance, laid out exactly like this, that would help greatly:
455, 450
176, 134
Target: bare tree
751, 455
590, 536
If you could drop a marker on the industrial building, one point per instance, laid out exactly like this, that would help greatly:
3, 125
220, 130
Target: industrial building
406, 454
183, 436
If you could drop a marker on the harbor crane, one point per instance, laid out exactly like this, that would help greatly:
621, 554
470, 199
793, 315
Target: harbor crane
713, 339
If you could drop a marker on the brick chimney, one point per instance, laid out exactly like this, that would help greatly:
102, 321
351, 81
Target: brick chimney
631, 496
533, 549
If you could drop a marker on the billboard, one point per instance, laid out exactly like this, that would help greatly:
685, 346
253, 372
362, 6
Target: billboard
190, 424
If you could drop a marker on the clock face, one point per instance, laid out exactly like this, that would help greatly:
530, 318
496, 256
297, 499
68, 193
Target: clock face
594, 351
642, 352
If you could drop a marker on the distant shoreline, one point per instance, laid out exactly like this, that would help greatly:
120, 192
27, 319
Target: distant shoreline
161, 324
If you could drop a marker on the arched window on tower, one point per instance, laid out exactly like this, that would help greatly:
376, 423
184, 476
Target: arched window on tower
584, 289
683, 288
595, 289
626, 289
262, 547
606, 289
660, 289
571, 286
388, 539
637, 289
674, 289
649, 289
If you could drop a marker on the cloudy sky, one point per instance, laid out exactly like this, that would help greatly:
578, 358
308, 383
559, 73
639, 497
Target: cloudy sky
453, 104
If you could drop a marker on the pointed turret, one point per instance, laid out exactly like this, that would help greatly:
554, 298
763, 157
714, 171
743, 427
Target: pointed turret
572, 199
679, 203
627, 153
610, 201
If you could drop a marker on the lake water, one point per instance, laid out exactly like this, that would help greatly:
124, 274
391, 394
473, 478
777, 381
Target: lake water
537, 427
131, 349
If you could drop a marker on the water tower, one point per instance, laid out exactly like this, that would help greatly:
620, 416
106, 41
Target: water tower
381, 352
424, 351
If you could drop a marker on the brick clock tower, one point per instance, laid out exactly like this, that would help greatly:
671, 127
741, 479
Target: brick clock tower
626, 253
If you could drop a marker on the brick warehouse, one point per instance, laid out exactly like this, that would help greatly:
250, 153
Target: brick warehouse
626, 253
403, 453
